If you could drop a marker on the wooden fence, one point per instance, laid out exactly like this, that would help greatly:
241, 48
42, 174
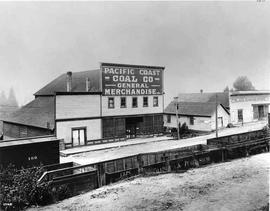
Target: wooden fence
177, 160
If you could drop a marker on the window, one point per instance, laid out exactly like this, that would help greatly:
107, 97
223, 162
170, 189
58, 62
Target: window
134, 102
155, 102
145, 101
168, 118
191, 120
110, 102
240, 115
123, 102
78, 136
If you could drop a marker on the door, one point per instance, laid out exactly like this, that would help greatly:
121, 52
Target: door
240, 115
220, 122
78, 136
261, 111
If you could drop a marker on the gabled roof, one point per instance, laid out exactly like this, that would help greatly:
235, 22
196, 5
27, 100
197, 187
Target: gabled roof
78, 83
222, 97
192, 108
37, 113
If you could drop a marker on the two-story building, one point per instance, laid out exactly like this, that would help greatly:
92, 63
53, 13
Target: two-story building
117, 100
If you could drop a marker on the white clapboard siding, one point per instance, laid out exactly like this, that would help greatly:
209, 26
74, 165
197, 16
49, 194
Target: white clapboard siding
246, 102
129, 110
77, 106
93, 129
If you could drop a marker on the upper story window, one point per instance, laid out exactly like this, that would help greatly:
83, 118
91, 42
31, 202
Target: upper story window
123, 103
110, 102
145, 101
155, 101
134, 102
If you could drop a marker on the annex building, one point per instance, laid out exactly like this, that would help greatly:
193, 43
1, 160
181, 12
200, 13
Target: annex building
116, 100
249, 106
198, 111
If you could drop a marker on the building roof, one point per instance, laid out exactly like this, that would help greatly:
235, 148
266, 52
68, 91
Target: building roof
37, 113
222, 97
78, 83
22, 141
257, 92
192, 108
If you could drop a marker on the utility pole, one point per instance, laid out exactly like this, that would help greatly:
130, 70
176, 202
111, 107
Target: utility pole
216, 116
176, 114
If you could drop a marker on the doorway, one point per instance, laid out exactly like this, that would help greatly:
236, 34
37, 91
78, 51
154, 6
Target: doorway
261, 112
133, 126
78, 136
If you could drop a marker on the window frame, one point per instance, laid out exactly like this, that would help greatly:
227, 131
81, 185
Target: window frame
125, 105
191, 120
134, 106
155, 105
147, 104
110, 107
169, 118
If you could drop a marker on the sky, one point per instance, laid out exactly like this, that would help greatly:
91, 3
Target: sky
203, 45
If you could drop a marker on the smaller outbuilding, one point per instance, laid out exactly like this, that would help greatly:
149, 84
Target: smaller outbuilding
249, 106
198, 116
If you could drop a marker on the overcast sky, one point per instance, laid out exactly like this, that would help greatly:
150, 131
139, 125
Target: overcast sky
203, 45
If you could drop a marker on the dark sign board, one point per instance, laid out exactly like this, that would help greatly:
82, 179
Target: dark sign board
121, 80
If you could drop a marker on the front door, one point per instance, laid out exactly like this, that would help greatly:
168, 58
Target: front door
78, 136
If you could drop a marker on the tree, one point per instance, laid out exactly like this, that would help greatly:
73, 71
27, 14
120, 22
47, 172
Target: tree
12, 101
3, 99
226, 89
242, 83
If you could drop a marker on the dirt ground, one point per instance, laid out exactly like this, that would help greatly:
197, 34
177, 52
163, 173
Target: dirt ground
241, 184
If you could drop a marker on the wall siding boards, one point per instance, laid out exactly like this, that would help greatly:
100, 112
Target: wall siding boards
93, 129
77, 106
129, 110
246, 102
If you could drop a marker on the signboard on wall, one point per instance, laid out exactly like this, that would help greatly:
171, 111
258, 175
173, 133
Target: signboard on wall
121, 80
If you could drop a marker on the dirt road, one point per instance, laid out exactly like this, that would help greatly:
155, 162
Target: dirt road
241, 184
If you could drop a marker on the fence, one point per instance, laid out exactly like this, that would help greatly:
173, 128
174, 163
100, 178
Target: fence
177, 160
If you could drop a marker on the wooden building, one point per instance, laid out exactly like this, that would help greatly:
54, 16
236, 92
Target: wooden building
249, 106
198, 111
28, 152
116, 100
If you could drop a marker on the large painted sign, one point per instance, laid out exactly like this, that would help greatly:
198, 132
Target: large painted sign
133, 80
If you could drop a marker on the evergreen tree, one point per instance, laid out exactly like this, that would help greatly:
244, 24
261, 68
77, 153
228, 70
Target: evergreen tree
12, 101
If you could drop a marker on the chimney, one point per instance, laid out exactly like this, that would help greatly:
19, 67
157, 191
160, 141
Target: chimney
201, 91
87, 83
69, 81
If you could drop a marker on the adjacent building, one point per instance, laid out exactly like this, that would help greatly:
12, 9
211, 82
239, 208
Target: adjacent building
249, 106
198, 111
116, 100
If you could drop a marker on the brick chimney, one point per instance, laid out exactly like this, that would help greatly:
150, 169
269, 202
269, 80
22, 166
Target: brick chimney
87, 84
69, 81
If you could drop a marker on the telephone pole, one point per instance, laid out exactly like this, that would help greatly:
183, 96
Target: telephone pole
176, 114
216, 116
